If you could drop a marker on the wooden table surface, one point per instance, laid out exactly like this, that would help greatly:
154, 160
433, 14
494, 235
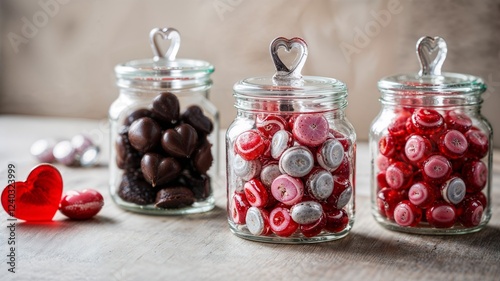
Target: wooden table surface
119, 245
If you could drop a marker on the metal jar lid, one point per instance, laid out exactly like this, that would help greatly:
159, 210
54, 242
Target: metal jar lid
288, 84
164, 72
430, 80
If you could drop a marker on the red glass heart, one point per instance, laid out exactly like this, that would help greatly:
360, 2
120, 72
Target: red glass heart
37, 198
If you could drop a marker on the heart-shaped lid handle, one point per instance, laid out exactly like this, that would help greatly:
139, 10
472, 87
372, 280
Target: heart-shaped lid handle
285, 75
431, 52
164, 71
426, 47
166, 33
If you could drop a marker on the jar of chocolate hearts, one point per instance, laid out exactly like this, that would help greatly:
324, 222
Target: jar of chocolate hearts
164, 133
431, 149
290, 155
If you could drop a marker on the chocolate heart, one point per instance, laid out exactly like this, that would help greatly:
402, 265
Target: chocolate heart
166, 108
194, 116
126, 156
37, 198
139, 113
144, 134
158, 170
181, 141
203, 158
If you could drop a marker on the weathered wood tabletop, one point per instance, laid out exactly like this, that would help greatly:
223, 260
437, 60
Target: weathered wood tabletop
119, 245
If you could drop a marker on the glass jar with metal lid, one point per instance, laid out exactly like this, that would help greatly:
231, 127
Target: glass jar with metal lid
430, 149
290, 155
164, 133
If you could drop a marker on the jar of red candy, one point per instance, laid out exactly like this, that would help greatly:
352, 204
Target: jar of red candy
290, 155
431, 149
163, 133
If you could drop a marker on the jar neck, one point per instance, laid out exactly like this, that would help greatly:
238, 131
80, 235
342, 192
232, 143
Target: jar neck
430, 99
337, 114
139, 94
293, 103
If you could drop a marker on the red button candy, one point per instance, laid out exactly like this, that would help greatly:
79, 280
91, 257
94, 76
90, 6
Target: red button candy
250, 145
431, 164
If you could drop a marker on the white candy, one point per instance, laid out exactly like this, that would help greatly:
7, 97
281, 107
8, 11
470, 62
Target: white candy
254, 221
330, 154
306, 212
453, 190
246, 170
297, 161
320, 184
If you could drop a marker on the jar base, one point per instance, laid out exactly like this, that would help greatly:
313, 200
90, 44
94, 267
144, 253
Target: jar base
242, 232
197, 207
425, 229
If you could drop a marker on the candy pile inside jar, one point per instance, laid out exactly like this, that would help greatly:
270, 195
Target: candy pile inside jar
165, 155
431, 169
292, 176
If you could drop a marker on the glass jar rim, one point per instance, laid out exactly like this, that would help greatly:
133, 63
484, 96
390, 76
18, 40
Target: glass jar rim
447, 83
164, 73
308, 86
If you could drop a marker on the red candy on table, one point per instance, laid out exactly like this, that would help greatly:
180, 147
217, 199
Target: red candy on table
81, 205
37, 198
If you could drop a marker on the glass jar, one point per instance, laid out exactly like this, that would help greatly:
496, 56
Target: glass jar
430, 150
164, 133
290, 156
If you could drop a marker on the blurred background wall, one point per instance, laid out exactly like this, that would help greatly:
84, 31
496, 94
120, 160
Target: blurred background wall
57, 56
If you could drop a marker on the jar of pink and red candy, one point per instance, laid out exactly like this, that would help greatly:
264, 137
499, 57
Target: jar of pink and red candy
290, 156
430, 149
164, 133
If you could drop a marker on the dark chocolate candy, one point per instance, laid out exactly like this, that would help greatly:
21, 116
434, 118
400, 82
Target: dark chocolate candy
181, 141
139, 113
158, 170
126, 156
166, 108
203, 158
194, 116
174, 197
144, 134
199, 184
136, 191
